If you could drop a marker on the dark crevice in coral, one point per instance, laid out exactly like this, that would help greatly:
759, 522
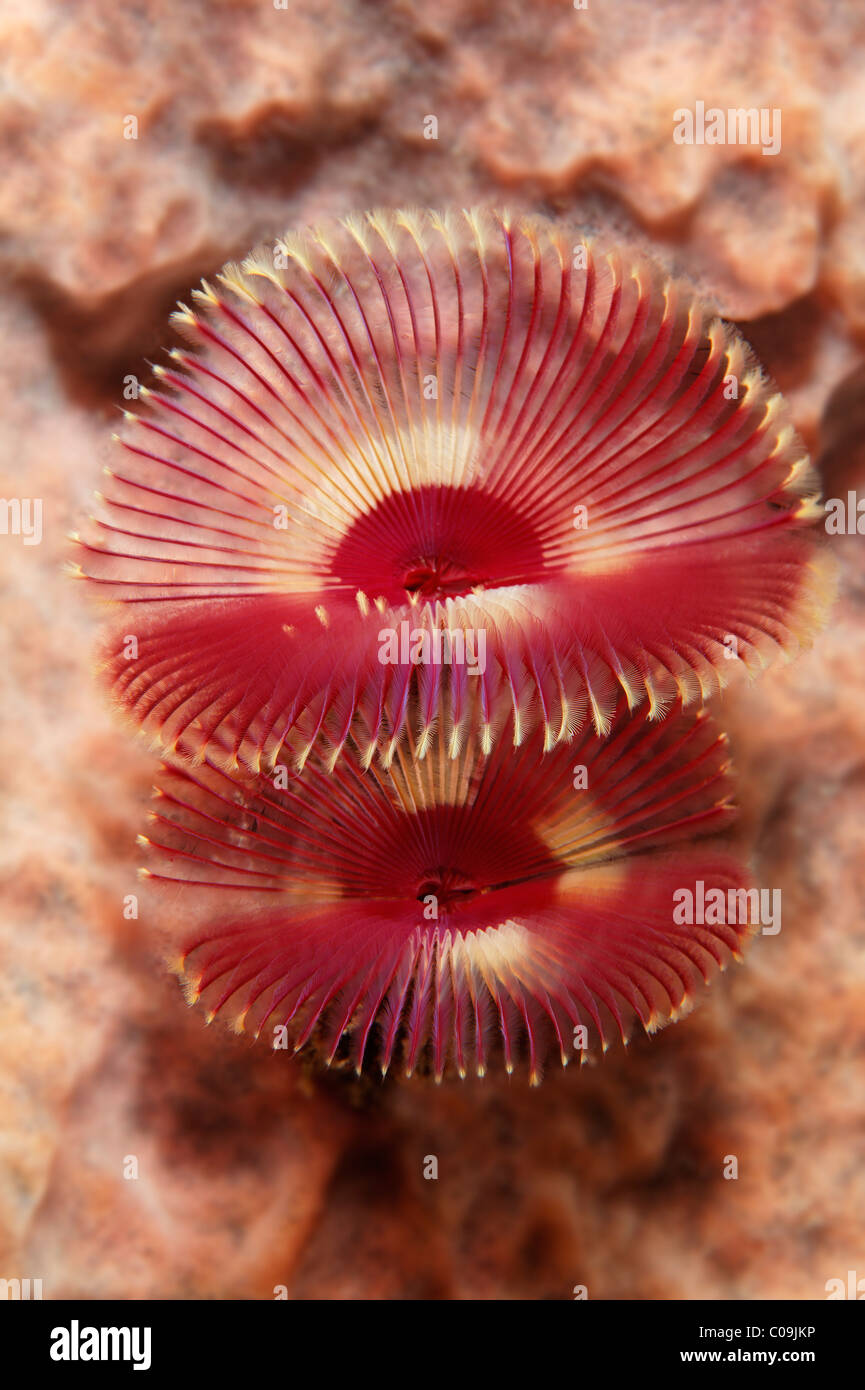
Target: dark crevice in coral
221, 1106
842, 435
786, 342
375, 1213
279, 150
115, 335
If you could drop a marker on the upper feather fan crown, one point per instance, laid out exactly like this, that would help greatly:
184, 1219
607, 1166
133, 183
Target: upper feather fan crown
466, 423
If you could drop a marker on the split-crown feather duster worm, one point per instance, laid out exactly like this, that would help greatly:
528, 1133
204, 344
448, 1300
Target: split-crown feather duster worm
463, 423
445, 913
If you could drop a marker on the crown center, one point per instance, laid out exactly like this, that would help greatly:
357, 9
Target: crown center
435, 542
438, 577
449, 887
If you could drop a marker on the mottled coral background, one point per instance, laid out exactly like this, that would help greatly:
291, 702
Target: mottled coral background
254, 1171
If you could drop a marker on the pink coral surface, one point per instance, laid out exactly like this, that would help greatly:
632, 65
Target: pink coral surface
254, 1171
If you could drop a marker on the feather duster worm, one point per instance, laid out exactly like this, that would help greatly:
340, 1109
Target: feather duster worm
457, 424
446, 911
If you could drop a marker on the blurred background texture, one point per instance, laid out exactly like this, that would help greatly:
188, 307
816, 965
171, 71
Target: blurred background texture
254, 1170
